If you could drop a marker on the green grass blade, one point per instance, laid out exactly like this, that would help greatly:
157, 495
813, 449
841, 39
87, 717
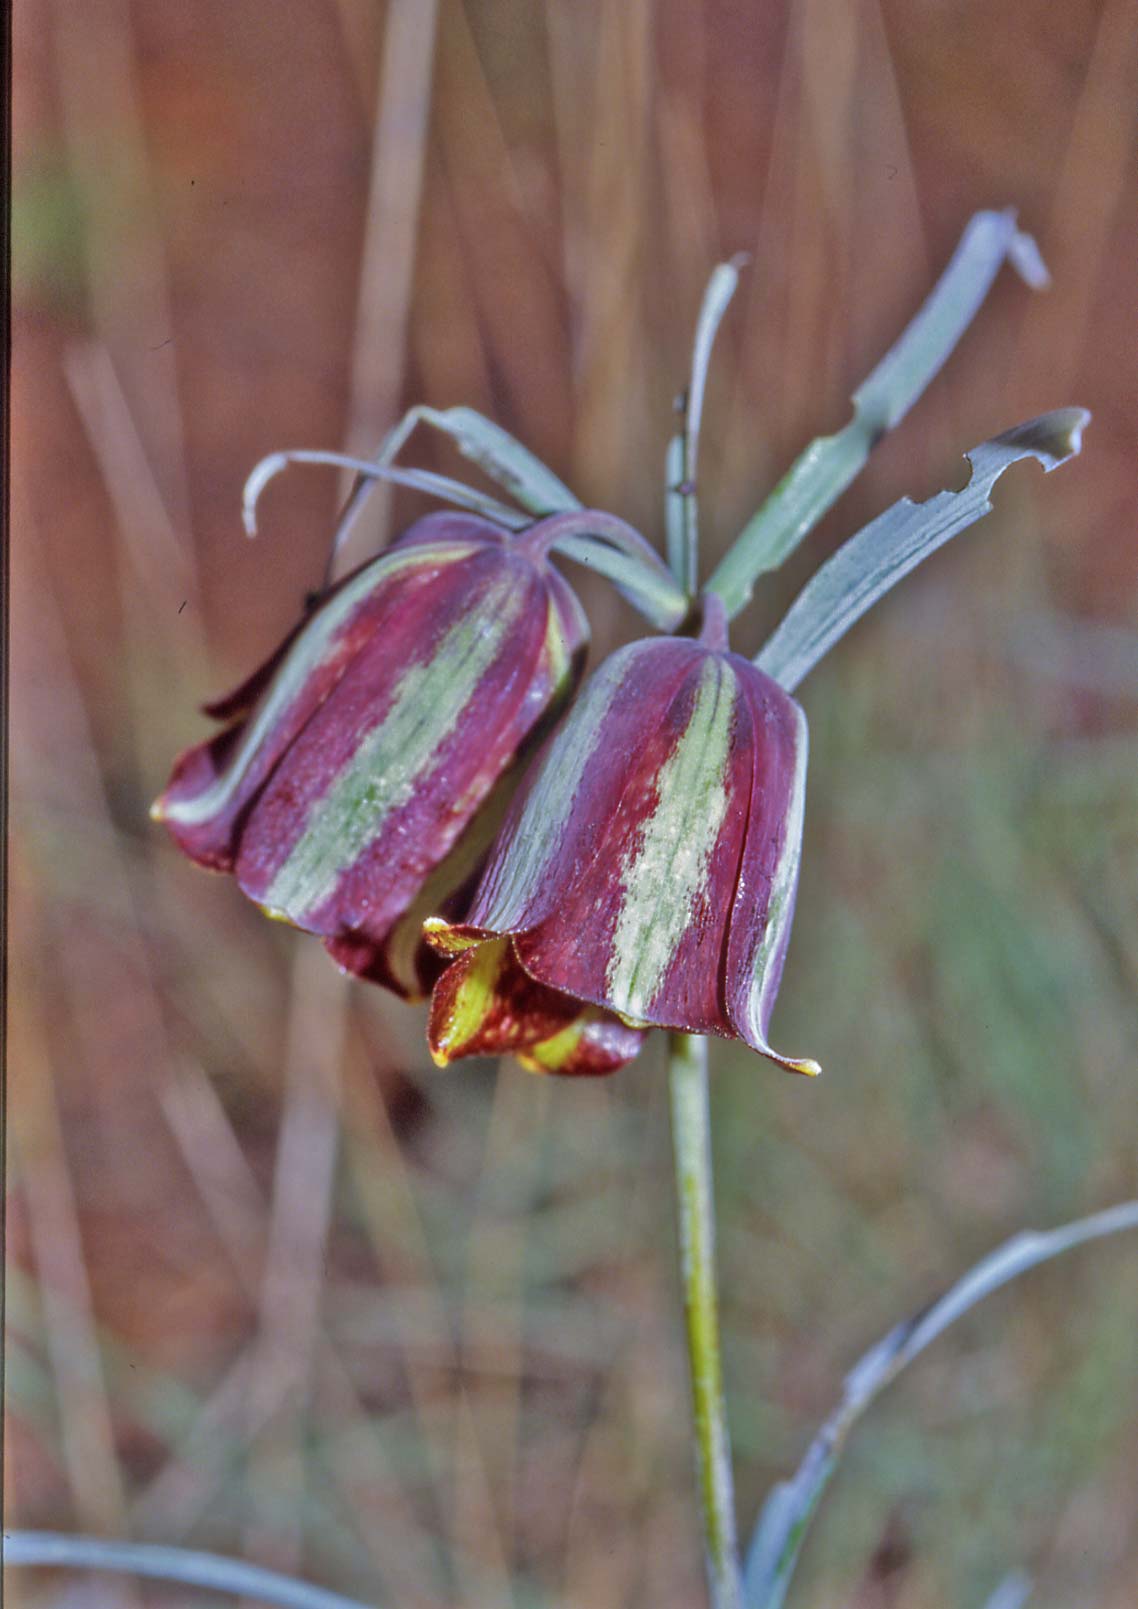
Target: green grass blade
885, 550
787, 1513
821, 474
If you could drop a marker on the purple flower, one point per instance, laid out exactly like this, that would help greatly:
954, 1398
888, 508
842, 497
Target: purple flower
366, 766
646, 873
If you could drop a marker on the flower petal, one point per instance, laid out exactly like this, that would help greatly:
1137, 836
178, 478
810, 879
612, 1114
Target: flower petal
648, 866
213, 785
383, 741
375, 790
763, 908
486, 1005
621, 866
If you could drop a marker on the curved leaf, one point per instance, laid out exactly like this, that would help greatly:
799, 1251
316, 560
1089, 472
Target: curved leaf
885, 550
420, 480
187, 1566
789, 1508
721, 288
821, 474
505, 460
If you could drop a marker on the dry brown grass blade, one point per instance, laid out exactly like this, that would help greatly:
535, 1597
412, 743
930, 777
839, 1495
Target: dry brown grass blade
1092, 181
475, 1524
379, 349
450, 354
362, 25
170, 1505
1049, 357
615, 1473
277, 1370
825, 297
58, 784
572, 53
494, 1274
217, 1164
176, 1499
385, 1199
130, 303
161, 562
610, 355
689, 201
404, 1552
44, 1180
289, 1319
515, 289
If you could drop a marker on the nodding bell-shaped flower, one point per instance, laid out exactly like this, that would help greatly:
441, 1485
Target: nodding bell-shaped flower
367, 765
646, 873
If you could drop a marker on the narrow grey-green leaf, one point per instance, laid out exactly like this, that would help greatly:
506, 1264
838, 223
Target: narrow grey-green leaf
421, 480
821, 474
212, 1572
886, 549
674, 506
684, 558
651, 589
787, 1512
721, 287
505, 460
606, 543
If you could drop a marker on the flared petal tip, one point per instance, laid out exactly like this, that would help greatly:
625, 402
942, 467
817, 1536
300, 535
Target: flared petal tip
275, 914
793, 1064
451, 938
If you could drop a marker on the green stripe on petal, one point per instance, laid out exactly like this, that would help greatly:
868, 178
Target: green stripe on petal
312, 648
667, 869
396, 755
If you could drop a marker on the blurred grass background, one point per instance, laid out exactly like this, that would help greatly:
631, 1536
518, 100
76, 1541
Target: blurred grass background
275, 1286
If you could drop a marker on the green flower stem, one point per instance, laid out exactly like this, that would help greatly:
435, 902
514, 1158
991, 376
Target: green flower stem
691, 1143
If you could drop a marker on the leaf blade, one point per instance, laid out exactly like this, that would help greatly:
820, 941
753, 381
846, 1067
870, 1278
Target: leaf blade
889, 547
786, 1515
823, 471
420, 480
504, 459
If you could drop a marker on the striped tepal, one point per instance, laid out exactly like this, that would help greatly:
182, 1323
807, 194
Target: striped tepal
370, 763
647, 871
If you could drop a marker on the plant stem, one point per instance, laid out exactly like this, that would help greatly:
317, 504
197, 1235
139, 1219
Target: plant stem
691, 1144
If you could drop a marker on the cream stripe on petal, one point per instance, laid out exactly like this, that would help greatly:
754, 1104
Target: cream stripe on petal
665, 872
395, 757
310, 650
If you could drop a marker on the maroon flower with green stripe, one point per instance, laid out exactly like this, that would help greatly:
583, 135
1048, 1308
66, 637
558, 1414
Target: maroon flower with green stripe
646, 874
368, 764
